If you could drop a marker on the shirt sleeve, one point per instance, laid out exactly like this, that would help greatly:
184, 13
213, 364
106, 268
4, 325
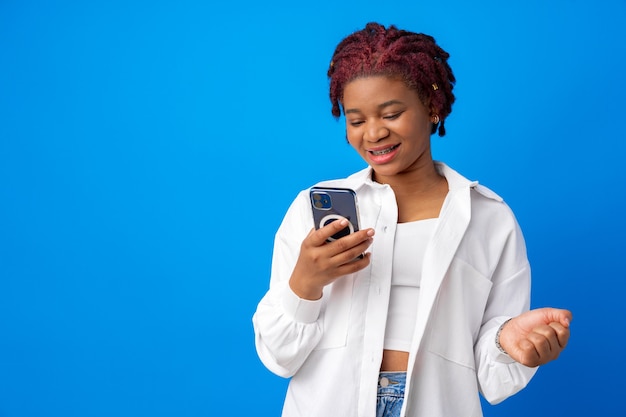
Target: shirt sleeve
500, 376
286, 327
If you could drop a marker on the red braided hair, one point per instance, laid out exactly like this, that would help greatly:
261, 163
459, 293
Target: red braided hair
413, 57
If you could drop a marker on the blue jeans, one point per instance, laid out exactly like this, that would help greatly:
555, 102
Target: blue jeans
390, 394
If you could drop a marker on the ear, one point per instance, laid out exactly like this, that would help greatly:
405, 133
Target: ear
434, 119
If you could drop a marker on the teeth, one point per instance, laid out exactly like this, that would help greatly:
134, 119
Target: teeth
384, 151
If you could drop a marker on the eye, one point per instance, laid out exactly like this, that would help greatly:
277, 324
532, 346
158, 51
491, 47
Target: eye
355, 123
393, 116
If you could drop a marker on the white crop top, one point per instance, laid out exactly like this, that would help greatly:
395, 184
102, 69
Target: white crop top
409, 246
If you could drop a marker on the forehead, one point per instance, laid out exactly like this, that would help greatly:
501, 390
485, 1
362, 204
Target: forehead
375, 90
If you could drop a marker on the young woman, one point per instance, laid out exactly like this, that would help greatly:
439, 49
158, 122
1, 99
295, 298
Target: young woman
437, 311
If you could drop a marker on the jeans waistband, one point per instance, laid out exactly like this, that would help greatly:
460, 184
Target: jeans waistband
395, 379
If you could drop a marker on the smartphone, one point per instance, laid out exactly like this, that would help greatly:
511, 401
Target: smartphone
330, 204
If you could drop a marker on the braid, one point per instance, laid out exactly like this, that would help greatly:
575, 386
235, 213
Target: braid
413, 57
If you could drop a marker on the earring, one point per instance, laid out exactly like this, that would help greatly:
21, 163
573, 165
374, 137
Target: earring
435, 119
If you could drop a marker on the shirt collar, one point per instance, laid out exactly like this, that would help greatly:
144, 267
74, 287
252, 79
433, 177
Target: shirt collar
455, 180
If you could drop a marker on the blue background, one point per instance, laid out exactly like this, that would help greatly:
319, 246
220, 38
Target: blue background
148, 151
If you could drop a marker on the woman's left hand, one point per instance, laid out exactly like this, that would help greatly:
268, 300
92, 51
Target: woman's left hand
536, 337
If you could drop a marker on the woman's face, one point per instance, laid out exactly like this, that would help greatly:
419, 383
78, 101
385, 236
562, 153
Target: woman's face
387, 124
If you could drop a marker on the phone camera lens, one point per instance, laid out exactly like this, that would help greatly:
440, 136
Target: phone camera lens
322, 201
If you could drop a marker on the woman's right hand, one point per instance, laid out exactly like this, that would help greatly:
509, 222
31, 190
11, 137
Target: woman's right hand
322, 262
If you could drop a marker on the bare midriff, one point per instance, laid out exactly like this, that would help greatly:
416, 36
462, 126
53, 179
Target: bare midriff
394, 361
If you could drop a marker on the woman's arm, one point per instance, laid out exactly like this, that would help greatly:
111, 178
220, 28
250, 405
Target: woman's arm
287, 322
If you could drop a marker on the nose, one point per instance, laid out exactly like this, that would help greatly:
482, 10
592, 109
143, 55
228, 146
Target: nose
375, 132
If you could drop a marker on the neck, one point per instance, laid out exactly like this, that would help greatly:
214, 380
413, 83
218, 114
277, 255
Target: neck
420, 179
419, 193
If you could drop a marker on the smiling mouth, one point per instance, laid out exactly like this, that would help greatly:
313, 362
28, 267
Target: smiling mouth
385, 151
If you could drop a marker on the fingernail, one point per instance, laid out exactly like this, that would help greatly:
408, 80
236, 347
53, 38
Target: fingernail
370, 232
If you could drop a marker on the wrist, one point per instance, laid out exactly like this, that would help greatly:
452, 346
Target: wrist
498, 333
306, 292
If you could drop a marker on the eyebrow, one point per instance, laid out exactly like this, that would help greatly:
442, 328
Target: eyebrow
380, 106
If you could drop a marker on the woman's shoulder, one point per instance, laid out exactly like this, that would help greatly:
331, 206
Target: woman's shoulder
487, 205
488, 208
458, 181
487, 193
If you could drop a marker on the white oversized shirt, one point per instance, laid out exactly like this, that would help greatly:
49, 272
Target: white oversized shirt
475, 275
